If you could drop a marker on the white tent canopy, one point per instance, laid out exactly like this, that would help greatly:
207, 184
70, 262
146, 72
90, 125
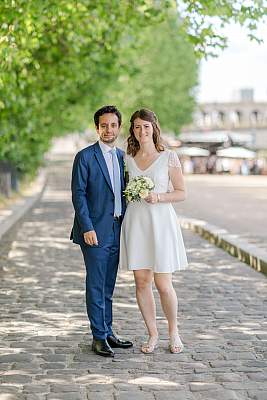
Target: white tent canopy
236, 152
192, 151
204, 137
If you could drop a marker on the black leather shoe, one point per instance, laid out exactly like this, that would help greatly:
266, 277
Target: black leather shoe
102, 348
114, 341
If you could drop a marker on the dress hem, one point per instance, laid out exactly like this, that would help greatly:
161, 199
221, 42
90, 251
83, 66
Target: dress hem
151, 269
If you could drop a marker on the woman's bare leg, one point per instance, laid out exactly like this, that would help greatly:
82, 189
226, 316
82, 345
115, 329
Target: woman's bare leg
169, 305
147, 306
168, 299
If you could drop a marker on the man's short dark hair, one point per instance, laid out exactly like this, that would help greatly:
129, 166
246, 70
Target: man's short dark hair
106, 110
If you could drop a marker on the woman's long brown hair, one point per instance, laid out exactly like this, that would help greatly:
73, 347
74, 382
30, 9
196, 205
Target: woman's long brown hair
146, 115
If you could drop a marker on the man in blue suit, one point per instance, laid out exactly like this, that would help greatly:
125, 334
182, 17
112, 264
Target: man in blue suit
97, 186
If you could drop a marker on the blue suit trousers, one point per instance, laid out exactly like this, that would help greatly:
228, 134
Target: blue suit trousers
101, 272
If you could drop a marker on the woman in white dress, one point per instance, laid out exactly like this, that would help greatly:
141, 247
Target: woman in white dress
151, 239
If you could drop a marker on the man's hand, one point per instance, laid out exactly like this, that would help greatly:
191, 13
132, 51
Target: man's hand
90, 238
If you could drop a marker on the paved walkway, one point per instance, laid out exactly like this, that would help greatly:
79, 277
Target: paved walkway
233, 202
45, 345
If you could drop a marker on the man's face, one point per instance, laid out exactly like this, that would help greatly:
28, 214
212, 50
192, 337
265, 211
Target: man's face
108, 128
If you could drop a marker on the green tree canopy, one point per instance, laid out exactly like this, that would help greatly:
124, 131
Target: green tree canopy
58, 57
202, 21
161, 76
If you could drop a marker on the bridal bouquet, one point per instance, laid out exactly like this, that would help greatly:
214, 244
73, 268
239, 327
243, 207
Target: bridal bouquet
138, 188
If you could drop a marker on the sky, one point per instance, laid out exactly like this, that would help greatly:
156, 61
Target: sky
242, 65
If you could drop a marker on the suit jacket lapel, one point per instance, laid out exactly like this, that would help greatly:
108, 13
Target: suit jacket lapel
121, 163
102, 164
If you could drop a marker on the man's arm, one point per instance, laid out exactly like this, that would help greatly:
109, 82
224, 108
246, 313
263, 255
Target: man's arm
78, 188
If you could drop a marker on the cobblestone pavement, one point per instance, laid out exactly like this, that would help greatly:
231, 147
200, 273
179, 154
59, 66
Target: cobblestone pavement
45, 344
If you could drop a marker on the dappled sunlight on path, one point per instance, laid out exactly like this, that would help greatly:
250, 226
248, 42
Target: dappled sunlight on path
45, 345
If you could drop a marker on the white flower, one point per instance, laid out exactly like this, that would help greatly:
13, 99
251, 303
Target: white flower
143, 193
149, 181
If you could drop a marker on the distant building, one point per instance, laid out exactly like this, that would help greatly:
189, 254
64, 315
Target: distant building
246, 95
245, 117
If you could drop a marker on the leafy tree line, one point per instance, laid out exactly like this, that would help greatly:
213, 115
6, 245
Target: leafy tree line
163, 76
61, 59
56, 57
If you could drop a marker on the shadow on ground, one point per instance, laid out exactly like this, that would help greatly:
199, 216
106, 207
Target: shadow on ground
45, 343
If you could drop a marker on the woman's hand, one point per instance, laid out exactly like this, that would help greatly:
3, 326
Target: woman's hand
152, 198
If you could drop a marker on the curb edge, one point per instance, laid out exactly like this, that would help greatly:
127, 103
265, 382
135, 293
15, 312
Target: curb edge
24, 204
232, 244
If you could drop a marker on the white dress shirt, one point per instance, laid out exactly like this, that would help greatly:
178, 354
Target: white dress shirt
108, 158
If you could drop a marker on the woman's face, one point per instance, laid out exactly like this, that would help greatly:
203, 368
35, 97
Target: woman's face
143, 131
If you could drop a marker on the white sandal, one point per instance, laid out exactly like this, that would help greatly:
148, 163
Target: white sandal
175, 344
150, 345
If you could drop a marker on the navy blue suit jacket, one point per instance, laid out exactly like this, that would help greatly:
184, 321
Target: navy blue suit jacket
92, 194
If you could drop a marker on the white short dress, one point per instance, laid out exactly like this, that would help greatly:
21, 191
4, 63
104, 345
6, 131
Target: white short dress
151, 236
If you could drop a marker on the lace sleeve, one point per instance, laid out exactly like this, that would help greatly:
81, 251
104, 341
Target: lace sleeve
174, 160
